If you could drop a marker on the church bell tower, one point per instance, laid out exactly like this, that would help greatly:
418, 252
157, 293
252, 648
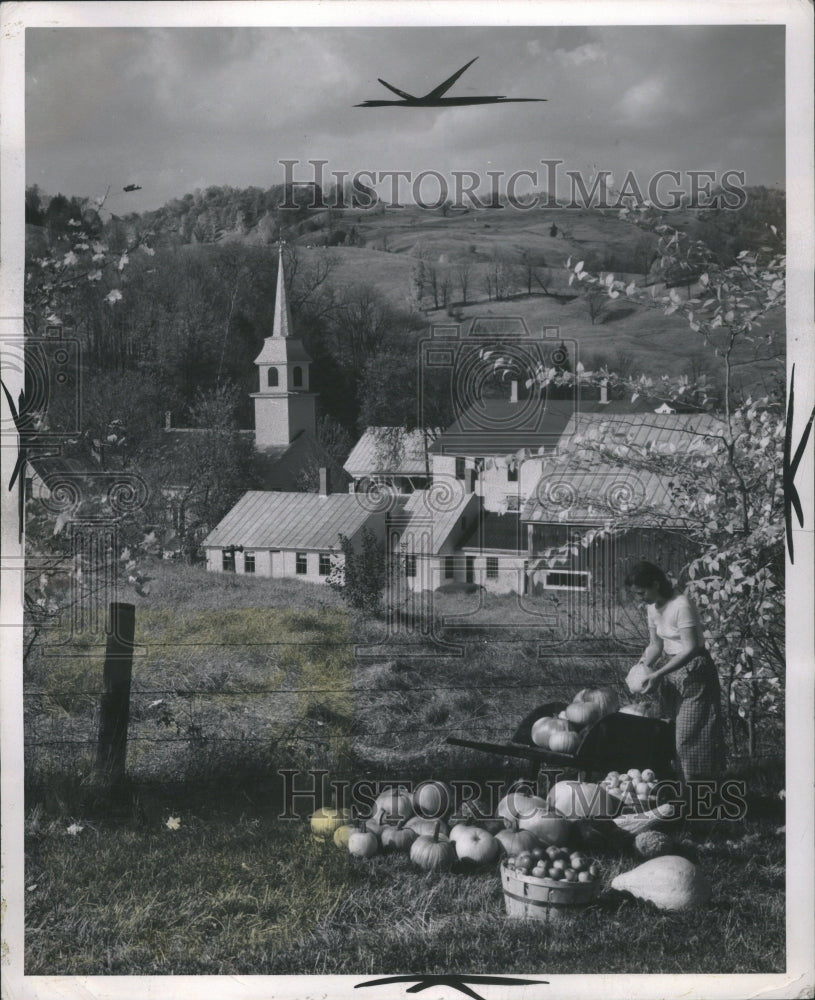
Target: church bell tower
283, 405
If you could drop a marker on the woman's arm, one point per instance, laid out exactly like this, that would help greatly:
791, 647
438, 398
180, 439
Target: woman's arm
653, 650
690, 648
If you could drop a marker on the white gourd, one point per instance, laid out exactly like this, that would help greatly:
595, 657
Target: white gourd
669, 882
634, 823
636, 677
581, 800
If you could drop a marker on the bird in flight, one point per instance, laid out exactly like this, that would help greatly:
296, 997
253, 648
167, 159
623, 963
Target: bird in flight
132, 187
436, 99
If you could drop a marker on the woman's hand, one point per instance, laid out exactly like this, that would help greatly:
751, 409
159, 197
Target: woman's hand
649, 683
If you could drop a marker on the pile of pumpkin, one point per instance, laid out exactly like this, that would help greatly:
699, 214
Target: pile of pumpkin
562, 733
403, 823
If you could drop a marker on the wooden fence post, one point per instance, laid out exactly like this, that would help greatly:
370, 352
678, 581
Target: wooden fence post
114, 709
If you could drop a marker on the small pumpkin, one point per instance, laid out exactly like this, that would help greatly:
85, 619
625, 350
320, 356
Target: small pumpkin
433, 799
431, 853
398, 838
543, 729
363, 844
397, 803
564, 742
326, 820
425, 827
376, 824
514, 840
583, 713
477, 846
342, 834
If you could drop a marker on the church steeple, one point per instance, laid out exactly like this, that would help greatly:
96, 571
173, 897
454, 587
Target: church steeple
284, 407
281, 324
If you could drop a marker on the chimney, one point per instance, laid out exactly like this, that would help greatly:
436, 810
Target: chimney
513, 391
168, 420
325, 481
604, 392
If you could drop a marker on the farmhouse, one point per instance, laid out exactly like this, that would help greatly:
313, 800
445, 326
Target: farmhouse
392, 457
295, 535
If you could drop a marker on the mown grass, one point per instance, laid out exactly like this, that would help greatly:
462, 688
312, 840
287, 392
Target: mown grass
251, 895
235, 682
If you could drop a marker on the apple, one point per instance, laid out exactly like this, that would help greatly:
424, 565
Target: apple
594, 869
570, 875
634, 773
642, 789
648, 775
538, 853
555, 873
552, 852
561, 864
579, 864
612, 781
613, 774
584, 877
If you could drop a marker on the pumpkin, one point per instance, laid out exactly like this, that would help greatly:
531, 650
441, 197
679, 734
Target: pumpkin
326, 820
636, 677
517, 804
462, 829
581, 799
376, 824
651, 844
669, 882
564, 742
477, 846
342, 834
583, 713
432, 798
396, 802
543, 729
514, 840
398, 838
425, 827
546, 827
606, 699
363, 844
432, 854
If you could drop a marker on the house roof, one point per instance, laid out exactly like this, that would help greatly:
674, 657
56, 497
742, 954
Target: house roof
263, 520
499, 532
432, 510
497, 426
595, 492
388, 451
665, 432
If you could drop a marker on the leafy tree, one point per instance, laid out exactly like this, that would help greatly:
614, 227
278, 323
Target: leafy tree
361, 573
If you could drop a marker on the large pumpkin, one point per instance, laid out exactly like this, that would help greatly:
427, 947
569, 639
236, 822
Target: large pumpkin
517, 804
398, 838
433, 799
396, 802
581, 800
564, 742
584, 713
547, 827
477, 846
363, 844
606, 699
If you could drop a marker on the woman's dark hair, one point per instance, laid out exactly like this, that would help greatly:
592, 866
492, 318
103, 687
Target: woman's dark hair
645, 574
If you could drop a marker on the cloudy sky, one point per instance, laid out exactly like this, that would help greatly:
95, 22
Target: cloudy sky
174, 109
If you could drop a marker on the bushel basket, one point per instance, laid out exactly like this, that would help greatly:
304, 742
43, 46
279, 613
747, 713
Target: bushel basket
533, 898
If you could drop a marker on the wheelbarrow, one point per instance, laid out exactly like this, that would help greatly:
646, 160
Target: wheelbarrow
616, 742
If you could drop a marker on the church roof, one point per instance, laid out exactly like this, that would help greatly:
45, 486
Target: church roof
389, 451
282, 346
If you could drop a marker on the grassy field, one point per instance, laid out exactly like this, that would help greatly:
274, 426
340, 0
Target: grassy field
238, 678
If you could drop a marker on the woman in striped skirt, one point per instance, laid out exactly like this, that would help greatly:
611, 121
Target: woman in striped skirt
676, 639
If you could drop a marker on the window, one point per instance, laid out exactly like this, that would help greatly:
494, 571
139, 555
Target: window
249, 562
565, 579
297, 377
272, 378
448, 568
460, 468
228, 560
301, 563
492, 567
325, 564
410, 565
513, 502
512, 472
